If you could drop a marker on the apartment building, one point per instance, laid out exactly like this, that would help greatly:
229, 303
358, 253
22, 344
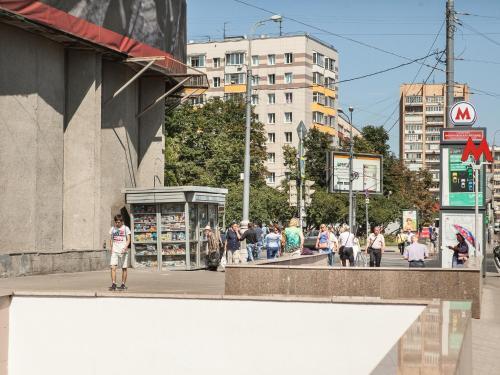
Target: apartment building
293, 80
421, 116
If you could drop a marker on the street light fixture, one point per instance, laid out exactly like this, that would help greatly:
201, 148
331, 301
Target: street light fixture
351, 154
248, 122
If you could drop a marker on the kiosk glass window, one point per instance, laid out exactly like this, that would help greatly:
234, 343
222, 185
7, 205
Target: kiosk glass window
173, 235
144, 232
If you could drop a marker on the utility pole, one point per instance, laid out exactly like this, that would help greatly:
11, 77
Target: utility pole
351, 155
450, 58
301, 130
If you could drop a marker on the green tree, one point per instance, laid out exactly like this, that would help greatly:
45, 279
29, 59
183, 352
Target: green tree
206, 145
317, 144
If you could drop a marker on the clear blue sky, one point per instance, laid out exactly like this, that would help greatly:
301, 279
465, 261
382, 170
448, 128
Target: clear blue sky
404, 27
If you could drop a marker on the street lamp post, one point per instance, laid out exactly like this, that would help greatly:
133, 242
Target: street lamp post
248, 125
351, 154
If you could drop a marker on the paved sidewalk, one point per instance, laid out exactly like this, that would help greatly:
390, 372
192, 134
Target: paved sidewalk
486, 331
139, 281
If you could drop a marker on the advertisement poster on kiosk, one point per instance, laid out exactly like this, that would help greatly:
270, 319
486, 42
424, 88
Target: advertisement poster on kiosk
463, 223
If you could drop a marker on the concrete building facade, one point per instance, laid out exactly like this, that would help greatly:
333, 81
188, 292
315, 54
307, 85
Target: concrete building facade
294, 79
67, 150
421, 117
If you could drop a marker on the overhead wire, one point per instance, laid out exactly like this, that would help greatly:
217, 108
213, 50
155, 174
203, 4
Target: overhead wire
371, 46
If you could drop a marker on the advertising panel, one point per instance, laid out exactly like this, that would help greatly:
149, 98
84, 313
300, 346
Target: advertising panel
410, 220
367, 173
453, 222
138, 28
457, 185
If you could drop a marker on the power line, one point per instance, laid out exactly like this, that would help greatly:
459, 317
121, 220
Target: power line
415, 77
467, 26
477, 15
478, 61
332, 33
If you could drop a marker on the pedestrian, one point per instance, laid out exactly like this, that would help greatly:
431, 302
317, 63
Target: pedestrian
251, 237
375, 247
416, 253
323, 242
260, 239
212, 250
266, 230
434, 240
293, 238
346, 241
119, 242
409, 235
334, 243
460, 252
232, 244
401, 240
272, 243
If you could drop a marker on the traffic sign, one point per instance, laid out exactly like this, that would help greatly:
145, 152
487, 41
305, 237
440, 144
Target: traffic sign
301, 129
463, 114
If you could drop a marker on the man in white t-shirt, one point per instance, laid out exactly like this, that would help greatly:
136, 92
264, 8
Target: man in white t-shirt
375, 247
346, 252
120, 240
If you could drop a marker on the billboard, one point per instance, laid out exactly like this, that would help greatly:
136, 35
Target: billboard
367, 173
410, 220
138, 28
453, 222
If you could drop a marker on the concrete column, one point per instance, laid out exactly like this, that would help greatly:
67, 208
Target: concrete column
31, 141
151, 144
82, 151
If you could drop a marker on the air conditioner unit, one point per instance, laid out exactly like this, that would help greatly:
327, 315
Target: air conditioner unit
239, 67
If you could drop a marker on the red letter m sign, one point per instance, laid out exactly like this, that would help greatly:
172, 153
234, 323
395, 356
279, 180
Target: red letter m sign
476, 152
465, 115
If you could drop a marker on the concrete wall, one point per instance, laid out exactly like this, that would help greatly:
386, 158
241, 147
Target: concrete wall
385, 283
82, 151
66, 153
31, 142
4, 332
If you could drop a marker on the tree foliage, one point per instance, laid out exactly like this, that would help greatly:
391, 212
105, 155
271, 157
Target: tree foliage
317, 144
206, 145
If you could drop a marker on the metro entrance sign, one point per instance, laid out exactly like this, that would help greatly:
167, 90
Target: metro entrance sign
463, 114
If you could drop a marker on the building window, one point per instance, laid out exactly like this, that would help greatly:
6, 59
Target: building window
255, 99
216, 62
329, 83
413, 99
271, 178
255, 60
288, 97
288, 117
255, 80
318, 78
330, 102
271, 138
271, 157
318, 98
271, 79
271, 118
271, 98
434, 108
288, 137
434, 99
235, 79
318, 59
288, 58
197, 99
233, 96
288, 77
329, 63
216, 82
235, 58
271, 59
318, 117
197, 61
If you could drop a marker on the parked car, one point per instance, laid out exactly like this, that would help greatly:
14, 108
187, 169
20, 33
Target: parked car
310, 239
